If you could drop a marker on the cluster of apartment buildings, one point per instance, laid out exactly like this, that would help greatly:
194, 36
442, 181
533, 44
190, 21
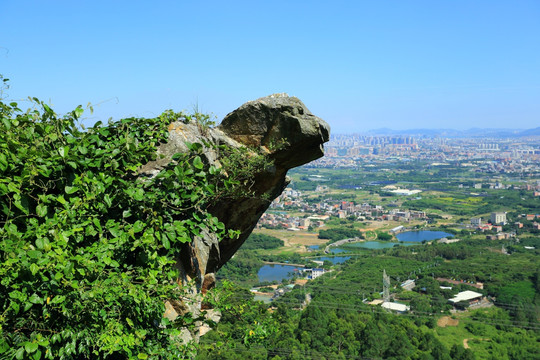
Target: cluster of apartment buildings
498, 220
490, 156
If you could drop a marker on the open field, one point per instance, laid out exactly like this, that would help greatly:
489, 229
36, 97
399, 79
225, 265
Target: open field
294, 241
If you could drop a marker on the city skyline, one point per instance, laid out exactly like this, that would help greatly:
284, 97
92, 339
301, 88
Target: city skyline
358, 65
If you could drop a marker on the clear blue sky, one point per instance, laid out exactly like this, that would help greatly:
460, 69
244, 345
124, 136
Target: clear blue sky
359, 65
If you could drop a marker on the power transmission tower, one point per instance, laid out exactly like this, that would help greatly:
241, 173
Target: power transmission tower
386, 286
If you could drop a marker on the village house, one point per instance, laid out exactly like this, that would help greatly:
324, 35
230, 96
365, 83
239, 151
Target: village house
476, 222
397, 307
500, 236
315, 273
466, 297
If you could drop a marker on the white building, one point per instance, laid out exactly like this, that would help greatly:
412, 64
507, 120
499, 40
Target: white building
498, 218
471, 297
315, 273
401, 308
476, 222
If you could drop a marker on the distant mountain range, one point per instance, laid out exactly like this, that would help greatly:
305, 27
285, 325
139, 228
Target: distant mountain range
451, 133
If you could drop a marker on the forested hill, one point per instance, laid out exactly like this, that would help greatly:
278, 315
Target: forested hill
330, 318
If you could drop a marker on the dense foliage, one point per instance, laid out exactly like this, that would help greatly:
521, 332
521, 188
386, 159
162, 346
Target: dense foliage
87, 246
262, 241
339, 234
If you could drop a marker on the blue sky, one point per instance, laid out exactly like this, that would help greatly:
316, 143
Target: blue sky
359, 65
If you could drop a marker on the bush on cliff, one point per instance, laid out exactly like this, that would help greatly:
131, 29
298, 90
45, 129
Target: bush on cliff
87, 247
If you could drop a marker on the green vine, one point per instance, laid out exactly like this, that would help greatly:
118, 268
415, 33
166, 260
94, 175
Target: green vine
87, 247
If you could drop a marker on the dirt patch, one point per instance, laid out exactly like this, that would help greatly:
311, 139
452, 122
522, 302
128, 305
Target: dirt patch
294, 238
466, 342
447, 321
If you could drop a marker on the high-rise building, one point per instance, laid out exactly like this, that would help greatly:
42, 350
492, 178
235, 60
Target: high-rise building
498, 218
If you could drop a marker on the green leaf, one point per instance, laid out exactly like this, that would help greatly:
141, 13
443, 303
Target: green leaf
83, 150
56, 338
197, 162
19, 355
58, 300
27, 306
142, 356
115, 231
35, 299
3, 162
33, 254
15, 306
165, 242
138, 226
107, 200
39, 243
71, 189
4, 346
13, 188
48, 110
138, 194
41, 210
34, 269
7, 123
37, 355
97, 223
23, 204
78, 112
213, 170
30, 347
63, 151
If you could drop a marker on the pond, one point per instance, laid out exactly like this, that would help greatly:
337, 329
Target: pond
378, 244
334, 250
419, 236
276, 272
264, 298
334, 259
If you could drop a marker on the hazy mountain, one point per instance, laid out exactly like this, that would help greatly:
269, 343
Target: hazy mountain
530, 132
452, 133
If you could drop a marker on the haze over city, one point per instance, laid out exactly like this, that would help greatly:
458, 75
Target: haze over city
358, 65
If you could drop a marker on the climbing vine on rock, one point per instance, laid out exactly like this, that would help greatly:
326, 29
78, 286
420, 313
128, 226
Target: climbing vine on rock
87, 246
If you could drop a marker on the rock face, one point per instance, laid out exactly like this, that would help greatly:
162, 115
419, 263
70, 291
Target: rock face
280, 127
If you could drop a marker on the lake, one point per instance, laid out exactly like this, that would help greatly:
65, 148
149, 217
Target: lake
419, 236
275, 272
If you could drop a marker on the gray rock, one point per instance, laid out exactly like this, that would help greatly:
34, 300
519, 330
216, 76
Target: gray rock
279, 126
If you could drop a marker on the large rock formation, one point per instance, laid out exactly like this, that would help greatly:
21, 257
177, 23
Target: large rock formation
280, 127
